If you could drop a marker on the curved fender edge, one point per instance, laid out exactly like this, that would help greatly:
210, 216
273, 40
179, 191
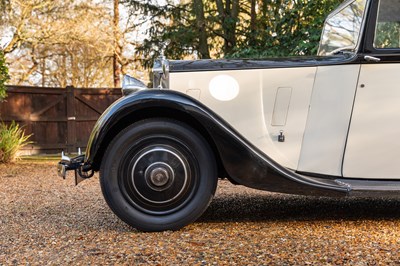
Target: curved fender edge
243, 162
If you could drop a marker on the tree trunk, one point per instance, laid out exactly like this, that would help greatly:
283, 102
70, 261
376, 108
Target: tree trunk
117, 49
234, 18
253, 26
43, 70
74, 79
228, 16
203, 49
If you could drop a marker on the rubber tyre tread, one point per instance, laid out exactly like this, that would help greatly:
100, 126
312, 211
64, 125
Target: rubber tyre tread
193, 209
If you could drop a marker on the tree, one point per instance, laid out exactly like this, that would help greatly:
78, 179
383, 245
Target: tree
198, 8
228, 14
285, 28
71, 42
177, 30
231, 28
3, 75
59, 43
88, 44
117, 46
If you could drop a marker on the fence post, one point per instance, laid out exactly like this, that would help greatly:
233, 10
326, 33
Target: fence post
71, 120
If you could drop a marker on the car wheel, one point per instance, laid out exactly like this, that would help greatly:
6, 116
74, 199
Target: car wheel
158, 174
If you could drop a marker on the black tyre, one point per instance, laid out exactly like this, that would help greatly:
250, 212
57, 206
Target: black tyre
158, 174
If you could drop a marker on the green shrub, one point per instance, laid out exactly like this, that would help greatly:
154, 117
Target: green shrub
4, 77
12, 139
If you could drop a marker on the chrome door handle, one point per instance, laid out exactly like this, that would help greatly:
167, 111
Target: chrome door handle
371, 58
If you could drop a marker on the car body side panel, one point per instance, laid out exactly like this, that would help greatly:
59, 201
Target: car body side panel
275, 82
258, 104
328, 120
373, 146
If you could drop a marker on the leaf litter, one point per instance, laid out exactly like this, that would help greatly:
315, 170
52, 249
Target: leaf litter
45, 220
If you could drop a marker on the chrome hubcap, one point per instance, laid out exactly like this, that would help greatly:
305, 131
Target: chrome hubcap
159, 176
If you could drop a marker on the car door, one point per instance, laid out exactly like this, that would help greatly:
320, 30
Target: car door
373, 144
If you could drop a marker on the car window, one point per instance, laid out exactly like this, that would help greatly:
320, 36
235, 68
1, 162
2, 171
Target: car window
387, 32
342, 30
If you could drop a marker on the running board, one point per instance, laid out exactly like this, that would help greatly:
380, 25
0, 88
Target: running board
367, 188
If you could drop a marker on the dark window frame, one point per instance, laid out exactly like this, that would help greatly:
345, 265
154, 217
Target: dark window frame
370, 31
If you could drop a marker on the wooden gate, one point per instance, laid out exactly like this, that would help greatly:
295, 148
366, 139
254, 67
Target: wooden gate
59, 119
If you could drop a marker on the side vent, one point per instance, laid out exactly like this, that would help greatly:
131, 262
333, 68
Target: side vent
281, 107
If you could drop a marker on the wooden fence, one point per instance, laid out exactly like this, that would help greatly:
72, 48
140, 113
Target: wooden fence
59, 119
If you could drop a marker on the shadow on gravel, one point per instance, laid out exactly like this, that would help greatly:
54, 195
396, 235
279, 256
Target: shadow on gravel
278, 207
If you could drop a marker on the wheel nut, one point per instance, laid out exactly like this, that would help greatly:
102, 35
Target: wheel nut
159, 177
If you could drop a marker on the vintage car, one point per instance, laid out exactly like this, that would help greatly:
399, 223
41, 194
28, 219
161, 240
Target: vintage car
327, 125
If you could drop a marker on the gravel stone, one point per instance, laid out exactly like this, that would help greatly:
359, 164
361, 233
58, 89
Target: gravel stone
45, 220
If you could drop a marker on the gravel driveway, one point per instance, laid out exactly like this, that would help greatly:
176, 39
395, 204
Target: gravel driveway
47, 220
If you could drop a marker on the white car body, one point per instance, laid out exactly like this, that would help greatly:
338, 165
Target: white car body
338, 120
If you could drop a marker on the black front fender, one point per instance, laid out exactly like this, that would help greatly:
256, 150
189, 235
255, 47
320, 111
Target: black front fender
242, 162
138, 106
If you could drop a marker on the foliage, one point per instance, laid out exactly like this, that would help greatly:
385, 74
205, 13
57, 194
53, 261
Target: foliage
294, 30
3, 76
12, 139
387, 35
172, 28
59, 43
256, 28
79, 43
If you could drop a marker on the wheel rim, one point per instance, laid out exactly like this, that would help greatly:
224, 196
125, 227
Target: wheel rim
158, 179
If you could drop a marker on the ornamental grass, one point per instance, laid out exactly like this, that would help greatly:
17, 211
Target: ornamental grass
12, 139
